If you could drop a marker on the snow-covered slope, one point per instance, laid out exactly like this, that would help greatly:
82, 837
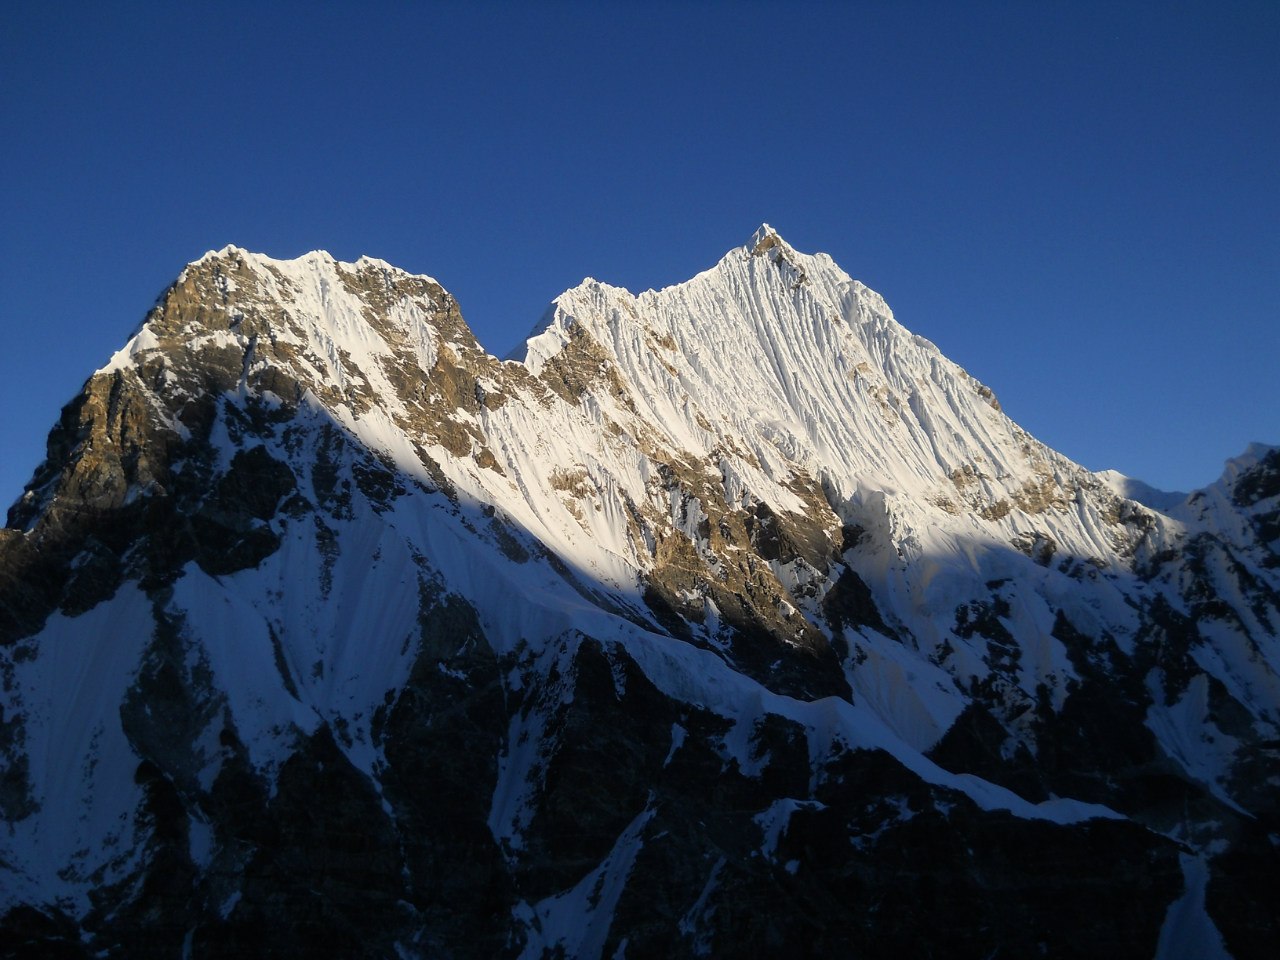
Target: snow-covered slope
324, 629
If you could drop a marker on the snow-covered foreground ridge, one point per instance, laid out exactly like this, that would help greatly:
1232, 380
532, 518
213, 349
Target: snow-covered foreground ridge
729, 593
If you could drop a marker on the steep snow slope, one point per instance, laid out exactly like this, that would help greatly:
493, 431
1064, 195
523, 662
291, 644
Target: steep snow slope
729, 591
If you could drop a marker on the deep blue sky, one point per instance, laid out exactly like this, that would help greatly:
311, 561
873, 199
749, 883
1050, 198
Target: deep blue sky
1077, 202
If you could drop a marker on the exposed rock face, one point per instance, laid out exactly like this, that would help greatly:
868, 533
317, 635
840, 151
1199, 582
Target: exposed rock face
730, 618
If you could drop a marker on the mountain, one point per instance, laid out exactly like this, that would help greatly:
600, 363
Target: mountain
728, 619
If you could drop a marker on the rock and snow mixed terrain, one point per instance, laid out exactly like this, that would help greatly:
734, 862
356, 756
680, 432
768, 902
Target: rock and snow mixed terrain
725, 618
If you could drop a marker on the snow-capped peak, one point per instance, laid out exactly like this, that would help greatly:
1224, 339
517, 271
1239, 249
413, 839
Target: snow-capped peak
314, 307
764, 238
766, 241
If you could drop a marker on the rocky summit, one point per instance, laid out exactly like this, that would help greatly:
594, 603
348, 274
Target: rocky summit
725, 620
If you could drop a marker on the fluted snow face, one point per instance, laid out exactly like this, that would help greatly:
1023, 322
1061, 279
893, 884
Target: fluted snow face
778, 360
787, 352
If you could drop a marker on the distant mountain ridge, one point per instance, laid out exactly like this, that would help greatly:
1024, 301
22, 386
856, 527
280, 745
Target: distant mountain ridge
727, 617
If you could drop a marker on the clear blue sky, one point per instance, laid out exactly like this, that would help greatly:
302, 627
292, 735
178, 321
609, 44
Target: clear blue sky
1078, 202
